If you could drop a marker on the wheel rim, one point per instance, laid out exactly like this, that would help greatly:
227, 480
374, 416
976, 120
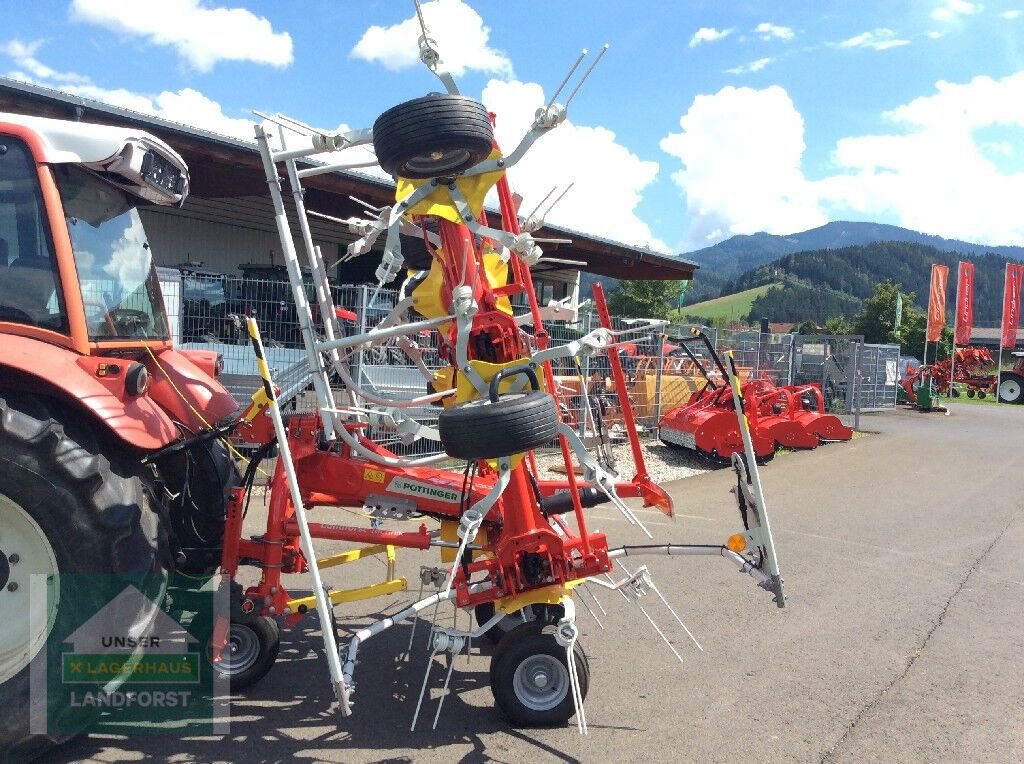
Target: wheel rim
241, 651
1009, 390
437, 162
24, 551
541, 682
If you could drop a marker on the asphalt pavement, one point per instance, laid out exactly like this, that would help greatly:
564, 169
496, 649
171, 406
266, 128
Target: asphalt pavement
901, 640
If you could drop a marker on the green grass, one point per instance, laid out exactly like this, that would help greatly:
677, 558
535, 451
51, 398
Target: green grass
730, 307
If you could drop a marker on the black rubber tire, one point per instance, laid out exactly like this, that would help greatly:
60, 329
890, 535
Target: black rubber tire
1002, 393
480, 429
438, 135
519, 645
970, 393
543, 613
95, 512
264, 635
199, 483
981, 395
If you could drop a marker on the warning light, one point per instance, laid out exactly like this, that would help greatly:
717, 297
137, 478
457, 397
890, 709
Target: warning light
737, 542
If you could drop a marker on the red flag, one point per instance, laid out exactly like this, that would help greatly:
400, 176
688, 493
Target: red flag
1011, 304
964, 321
937, 303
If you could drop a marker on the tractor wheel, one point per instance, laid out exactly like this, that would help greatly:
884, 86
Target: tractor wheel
543, 613
1011, 388
68, 506
439, 135
198, 484
250, 653
530, 676
481, 429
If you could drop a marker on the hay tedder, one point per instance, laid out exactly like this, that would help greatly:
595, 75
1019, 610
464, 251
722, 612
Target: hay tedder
118, 460
793, 416
516, 550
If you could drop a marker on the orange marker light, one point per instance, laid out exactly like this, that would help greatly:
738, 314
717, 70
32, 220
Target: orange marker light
737, 542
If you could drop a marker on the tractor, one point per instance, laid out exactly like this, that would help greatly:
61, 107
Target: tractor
92, 393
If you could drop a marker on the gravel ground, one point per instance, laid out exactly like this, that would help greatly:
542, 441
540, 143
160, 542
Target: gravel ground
664, 463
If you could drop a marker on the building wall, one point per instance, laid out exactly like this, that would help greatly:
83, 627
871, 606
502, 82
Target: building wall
179, 238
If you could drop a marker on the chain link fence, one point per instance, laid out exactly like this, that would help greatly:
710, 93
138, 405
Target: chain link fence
208, 312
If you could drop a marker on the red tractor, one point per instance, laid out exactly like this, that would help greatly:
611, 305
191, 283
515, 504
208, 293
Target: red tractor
90, 385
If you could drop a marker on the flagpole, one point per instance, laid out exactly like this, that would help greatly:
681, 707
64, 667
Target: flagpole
1002, 328
956, 323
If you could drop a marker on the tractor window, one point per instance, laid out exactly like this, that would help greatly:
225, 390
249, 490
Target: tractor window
120, 290
29, 284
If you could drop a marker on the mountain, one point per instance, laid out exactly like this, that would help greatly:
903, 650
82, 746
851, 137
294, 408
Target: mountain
818, 284
738, 254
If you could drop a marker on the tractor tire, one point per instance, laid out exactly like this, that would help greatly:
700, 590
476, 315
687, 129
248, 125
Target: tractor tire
1011, 388
67, 506
438, 135
250, 653
543, 613
198, 485
530, 676
517, 422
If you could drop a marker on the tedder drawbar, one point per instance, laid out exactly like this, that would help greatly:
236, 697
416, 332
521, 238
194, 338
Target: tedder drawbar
514, 548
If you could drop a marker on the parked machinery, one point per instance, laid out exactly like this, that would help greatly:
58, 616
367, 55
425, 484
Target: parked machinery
780, 417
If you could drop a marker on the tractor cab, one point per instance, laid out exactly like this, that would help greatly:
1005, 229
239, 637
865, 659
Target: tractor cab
76, 267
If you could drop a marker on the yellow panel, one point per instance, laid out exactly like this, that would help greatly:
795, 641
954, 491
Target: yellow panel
439, 202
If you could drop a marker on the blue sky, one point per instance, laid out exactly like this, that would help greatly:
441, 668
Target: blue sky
705, 119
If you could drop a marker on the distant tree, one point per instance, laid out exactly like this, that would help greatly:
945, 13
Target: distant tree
644, 299
877, 319
838, 325
808, 327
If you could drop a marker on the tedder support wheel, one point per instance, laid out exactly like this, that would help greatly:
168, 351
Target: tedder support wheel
530, 676
1011, 388
543, 613
250, 652
66, 508
438, 135
484, 430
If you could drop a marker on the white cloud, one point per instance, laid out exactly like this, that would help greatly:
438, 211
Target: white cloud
877, 39
741, 151
768, 31
935, 169
932, 173
459, 32
950, 10
24, 55
608, 178
708, 34
201, 35
1010, 15
753, 66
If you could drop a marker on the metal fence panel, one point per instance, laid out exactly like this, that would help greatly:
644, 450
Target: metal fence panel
209, 313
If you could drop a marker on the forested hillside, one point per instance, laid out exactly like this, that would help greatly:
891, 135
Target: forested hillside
823, 283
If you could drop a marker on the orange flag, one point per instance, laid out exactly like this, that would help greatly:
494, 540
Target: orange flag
937, 303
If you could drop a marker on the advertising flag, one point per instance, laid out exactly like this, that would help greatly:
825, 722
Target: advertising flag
964, 321
937, 303
1011, 304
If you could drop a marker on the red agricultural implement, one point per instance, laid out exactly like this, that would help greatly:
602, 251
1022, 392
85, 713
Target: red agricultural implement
779, 417
967, 377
